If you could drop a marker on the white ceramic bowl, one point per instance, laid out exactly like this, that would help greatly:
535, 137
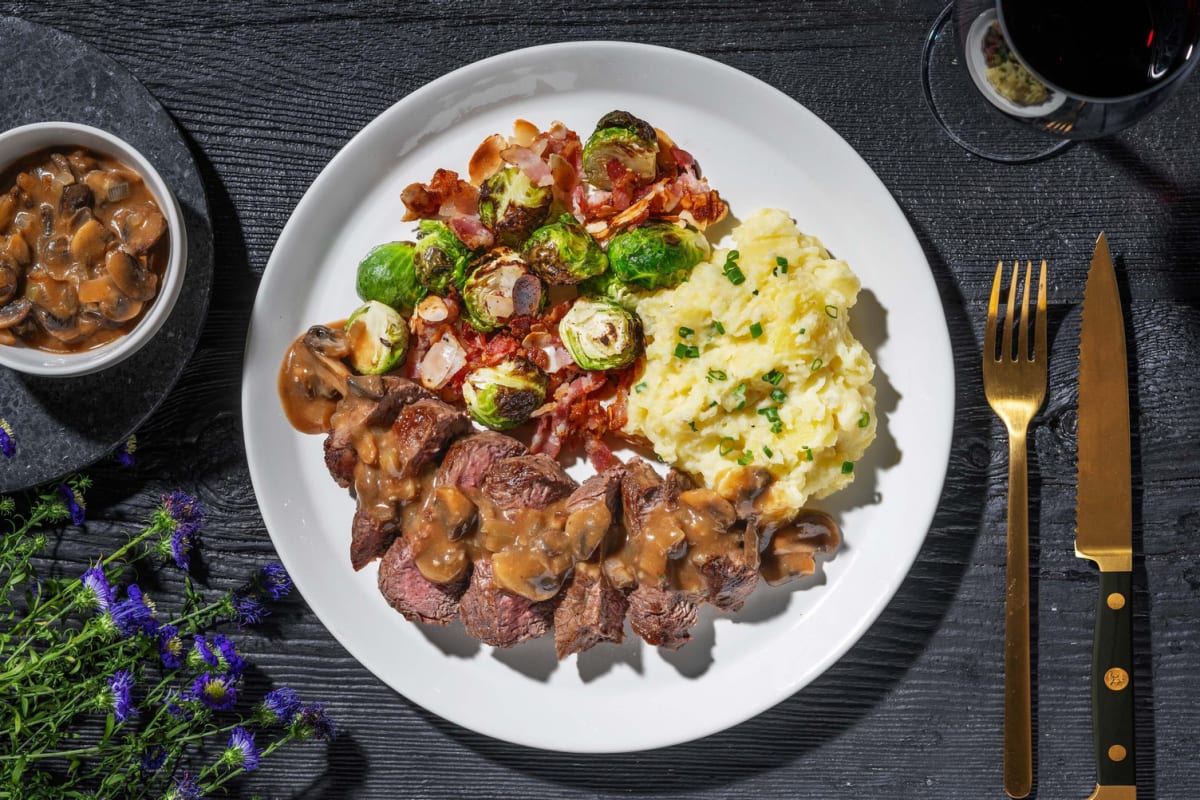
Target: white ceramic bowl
20, 142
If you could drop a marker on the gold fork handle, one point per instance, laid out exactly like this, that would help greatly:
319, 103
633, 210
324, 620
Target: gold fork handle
1018, 724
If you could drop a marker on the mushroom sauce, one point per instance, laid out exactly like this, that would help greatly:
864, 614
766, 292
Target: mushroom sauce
83, 246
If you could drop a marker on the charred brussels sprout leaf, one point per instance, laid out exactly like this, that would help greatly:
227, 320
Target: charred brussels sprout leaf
621, 137
564, 252
389, 276
505, 395
501, 286
512, 207
600, 334
656, 255
440, 257
377, 337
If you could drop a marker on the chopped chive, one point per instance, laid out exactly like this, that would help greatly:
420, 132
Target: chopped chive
686, 351
685, 332
733, 255
718, 327
847, 467
717, 375
816, 364
725, 446
864, 420
755, 330
778, 396
755, 293
710, 405
641, 387
768, 452
807, 453
739, 393
775, 272
831, 311
735, 275
802, 331
692, 425
745, 458
777, 426
773, 377
781, 262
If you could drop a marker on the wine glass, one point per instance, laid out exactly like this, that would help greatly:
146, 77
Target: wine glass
1021, 79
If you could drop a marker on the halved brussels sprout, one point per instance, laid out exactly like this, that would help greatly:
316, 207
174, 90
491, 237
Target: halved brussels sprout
505, 395
512, 207
608, 286
656, 255
501, 286
378, 338
388, 275
564, 252
440, 257
600, 334
622, 137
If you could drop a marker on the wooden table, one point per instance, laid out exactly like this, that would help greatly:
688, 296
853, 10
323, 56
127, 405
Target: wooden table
267, 92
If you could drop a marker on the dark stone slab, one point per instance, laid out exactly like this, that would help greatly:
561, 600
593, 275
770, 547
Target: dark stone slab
64, 424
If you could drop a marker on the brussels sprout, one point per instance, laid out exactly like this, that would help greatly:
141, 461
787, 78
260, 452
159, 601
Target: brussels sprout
505, 395
600, 334
388, 275
564, 252
632, 142
608, 286
656, 255
501, 286
378, 338
440, 257
512, 207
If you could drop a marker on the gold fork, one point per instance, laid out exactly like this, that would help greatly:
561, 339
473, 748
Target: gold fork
1016, 387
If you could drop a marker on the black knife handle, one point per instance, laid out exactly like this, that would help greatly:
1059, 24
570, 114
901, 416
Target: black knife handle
1112, 681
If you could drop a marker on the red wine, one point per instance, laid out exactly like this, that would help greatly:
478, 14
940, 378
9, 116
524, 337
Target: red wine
1103, 48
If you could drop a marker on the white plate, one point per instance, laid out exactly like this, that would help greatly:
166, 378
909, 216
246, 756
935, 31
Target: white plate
759, 148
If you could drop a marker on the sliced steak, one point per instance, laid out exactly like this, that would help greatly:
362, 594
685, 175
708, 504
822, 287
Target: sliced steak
729, 579
527, 482
661, 616
593, 509
498, 617
589, 611
641, 489
468, 460
370, 537
422, 430
411, 593
726, 565
370, 401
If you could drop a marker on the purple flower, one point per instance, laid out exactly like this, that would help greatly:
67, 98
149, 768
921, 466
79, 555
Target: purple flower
170, 646
8, 445
247, 610
215, 691
135, 614
313, 721
241, 751
218, 654
183, 508
181, 516
153, 759
120, 686
275, 581
74, 502
125, 450
176, 706
282, 705
96, 582
183, 540
185, 788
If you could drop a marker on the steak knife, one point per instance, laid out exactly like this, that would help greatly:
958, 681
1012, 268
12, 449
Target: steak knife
1104, 522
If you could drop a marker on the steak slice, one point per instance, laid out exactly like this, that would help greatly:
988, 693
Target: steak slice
498, 617
422, 429
527, 482
589, 611
729, 579
593, 509
411, 593
661, 616
370, 400
469, 459
604, 487
370, 537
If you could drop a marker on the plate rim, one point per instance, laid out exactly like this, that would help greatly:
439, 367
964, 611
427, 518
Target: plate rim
852, 634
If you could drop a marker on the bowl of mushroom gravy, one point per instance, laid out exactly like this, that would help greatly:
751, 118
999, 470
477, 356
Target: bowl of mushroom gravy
92, 249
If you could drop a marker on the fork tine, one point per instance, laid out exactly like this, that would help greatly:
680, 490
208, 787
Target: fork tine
1007, 352
989, 330
1039, 338
1023, 332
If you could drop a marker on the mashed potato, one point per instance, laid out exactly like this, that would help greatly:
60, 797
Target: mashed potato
774, 378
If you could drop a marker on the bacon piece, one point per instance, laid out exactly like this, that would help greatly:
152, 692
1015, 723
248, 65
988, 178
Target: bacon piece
444, 192
471, 232
600, 454
530, 163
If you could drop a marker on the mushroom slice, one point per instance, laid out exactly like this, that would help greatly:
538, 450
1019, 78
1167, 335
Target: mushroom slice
75, 197
130, 275
140, 228
67, 331
15, 312
56, 258
87, 245
117, 307
8, 278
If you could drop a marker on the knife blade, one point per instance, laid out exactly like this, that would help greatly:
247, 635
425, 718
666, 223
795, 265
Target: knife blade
1104, 522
